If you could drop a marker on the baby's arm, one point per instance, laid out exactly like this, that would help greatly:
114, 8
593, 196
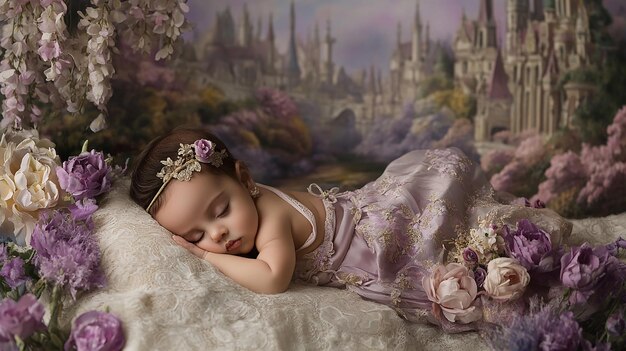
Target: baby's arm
270, 272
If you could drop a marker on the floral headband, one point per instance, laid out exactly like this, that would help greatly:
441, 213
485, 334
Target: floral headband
188, 161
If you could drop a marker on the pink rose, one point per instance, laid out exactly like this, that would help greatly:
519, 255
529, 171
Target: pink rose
454, 289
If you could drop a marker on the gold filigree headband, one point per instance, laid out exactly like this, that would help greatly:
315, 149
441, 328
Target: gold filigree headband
188, 161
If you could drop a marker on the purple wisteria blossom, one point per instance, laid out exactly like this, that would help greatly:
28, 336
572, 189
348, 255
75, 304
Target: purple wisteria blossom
95, 330
13, 273
67, 252
86, 175
21, 318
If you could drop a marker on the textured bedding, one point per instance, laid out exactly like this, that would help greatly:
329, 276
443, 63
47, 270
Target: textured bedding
171, 300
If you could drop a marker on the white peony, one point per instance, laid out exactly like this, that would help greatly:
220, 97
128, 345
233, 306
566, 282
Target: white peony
35, 183
506, 279
28, 181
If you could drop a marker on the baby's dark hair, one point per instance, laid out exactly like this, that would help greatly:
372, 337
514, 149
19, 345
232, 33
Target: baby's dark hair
144, 183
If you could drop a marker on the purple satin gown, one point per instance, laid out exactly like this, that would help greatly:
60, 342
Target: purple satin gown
380, 240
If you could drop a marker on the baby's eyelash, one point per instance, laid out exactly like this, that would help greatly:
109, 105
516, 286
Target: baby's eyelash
225, 210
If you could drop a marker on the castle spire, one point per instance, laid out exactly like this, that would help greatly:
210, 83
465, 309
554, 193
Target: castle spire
293, 68
329, 54
486, 12
416, 43
498, 87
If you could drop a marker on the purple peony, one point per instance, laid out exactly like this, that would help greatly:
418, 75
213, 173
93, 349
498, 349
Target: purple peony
13, 273
583, 268
83, 209
204, 149
22, 318
532, 247
67, 252
96, 331
85, 176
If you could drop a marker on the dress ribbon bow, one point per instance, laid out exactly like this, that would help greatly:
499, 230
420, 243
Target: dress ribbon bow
329, 195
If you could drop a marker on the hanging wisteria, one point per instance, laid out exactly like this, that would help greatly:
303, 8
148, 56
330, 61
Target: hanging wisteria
59, 52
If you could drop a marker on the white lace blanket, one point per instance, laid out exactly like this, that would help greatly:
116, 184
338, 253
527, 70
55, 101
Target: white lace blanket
170, 300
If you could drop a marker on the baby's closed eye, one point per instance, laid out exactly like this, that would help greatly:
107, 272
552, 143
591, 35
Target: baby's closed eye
195, 239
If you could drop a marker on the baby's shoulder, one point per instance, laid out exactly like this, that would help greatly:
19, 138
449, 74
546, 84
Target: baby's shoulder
274, 216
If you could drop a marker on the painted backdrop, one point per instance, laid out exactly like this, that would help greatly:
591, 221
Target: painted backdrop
332, 90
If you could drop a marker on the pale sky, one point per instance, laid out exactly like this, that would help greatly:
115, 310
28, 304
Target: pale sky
365, 30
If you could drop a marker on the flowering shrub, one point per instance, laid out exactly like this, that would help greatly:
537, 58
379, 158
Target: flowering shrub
45, 61
528, 293
522, 175
596, 178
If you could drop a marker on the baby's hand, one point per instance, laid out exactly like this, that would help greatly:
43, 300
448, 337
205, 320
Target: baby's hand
190, 247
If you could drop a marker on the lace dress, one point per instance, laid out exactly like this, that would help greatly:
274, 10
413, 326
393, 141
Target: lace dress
380, 240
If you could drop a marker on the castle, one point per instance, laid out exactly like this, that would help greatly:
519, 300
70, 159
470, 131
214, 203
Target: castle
241, 56
517, 87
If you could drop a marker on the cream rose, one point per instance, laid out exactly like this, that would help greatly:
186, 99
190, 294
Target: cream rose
35, 184
506, 279
454, 289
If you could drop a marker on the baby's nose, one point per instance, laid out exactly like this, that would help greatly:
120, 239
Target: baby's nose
218, 234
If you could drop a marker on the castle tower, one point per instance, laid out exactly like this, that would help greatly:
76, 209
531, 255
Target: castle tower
517, 20
538, 13
272, 41
329, 66
259, 29
293, 68
416, 54
427, 40
245, 28
487, 37
549, 11
583, 32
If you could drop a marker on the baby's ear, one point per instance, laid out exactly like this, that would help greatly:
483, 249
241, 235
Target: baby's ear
243, 174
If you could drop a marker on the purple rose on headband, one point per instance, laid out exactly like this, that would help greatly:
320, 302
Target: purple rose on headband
583, 268
204, 149
95, 330
13, 273
532, 247
85, 176
21, 318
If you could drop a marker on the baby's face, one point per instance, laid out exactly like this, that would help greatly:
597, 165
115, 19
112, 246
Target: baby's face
215, 212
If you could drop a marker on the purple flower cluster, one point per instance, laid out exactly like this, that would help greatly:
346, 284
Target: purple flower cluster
95, 330
13, 272
67, 252
541, 330
276, 103
21, 318
86, 175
